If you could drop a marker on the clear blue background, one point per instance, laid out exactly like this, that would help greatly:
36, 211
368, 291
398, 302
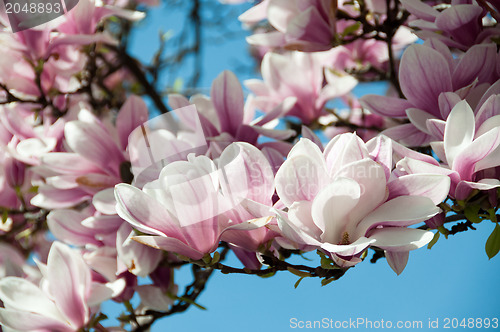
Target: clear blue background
455, 279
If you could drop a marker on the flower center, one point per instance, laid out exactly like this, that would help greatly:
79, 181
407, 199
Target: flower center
345, 239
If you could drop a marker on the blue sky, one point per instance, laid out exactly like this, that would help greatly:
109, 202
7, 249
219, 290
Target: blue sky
453, 280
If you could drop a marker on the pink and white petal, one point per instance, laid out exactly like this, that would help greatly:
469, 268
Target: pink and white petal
103, 292
176, 101
400, 239
95, 144
104, 201
332, 207
35, 148
227, 97
310, 135
489, 108
300, 218
386, 106
381, 151
63, 181
459, 131
154, 298
419, 118
401, 211
477, 63
489, 124
420, 9
337, 86
169, 244
370, 177
436, 128
438, 148
460, 21
21, 295
464, 188
342, 150
480, 154
69, 163
31, 322
434, 186
280, 12
246, 173
348, 250
278, 134
132, 114
69, 283
424, 74
397, 260
51, 198
407, 134
139, 259
447, 100
103, 224
255, 14
291, 230
144, 213
300, 178
66, 225
16, 124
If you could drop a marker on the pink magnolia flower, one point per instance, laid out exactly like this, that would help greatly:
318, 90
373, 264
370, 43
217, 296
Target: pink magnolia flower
305, 25
30, 140
62, 302
95, 157
225, 119
361, 54
471, 152
182, 211
297, 79
460, 25
343, 201
432, 81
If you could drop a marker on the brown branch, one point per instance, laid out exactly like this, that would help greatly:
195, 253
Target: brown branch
134, 67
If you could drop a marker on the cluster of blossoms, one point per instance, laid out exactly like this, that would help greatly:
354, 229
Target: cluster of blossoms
99, 194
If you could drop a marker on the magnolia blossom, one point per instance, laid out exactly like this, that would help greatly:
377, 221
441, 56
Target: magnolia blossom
183, 211
433, 82
469, 150
225, 119
305, 25
297, 80
64, 301
460, 25
94, 159
342, 202
473, 153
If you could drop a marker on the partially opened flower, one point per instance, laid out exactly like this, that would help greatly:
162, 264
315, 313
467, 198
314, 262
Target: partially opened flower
225, 119
182, 211
305, 25
64, 301
94, 159
342, 202
460, 25
472, 152
433, 82
297, 79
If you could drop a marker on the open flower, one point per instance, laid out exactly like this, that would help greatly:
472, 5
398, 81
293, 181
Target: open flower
64, 299
473, 154
342, 202
183, 211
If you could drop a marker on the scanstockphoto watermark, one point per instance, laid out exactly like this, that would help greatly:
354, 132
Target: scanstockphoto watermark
354, 323
472, 323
